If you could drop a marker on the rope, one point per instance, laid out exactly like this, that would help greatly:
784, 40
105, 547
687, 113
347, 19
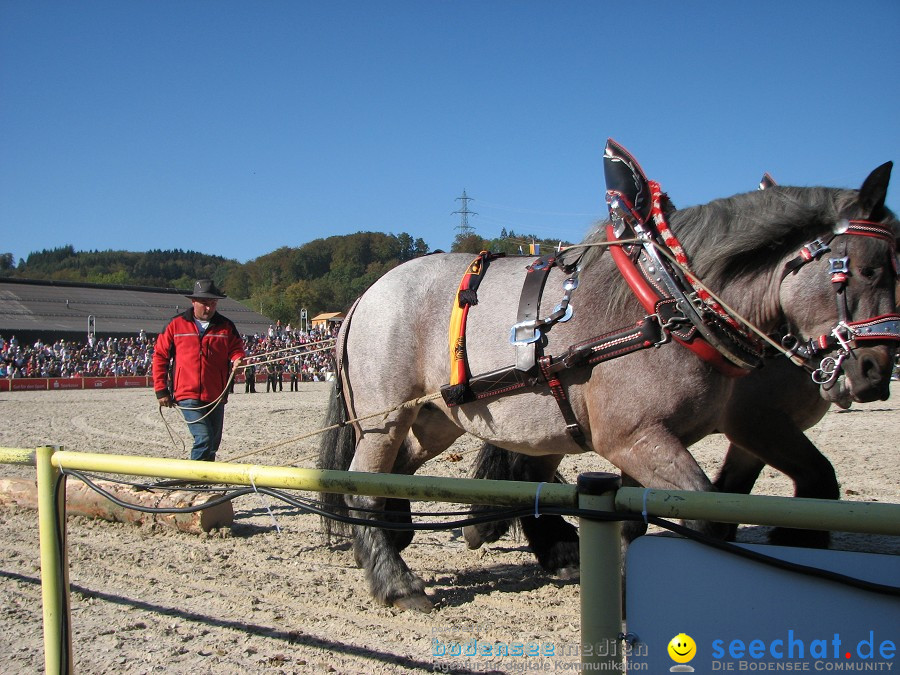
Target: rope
212, 404
329, 344
281, 358
412, 403
699, 284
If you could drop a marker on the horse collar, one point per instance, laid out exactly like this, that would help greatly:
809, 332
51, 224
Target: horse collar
686, 310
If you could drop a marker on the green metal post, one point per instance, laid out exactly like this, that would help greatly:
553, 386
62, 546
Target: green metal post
601, 574
54, 565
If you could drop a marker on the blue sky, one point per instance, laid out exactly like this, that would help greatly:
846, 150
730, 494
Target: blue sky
235, 128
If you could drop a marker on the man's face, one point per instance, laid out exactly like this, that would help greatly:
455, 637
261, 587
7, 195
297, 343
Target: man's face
204, 308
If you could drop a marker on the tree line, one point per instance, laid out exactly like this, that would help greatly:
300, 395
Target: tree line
323, 275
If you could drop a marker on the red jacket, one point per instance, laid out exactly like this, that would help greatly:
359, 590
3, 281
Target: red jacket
202, 366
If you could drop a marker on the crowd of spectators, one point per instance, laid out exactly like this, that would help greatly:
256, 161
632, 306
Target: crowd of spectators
288, 350
127, 356
95, 357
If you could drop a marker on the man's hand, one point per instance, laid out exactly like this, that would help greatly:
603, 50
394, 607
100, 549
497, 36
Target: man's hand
236, 364
165, 402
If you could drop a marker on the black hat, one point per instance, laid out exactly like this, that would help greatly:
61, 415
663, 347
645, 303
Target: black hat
206, 288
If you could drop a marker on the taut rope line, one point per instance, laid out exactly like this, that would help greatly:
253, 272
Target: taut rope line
281, 358
436, 395
411, 403
329, 342
212, 404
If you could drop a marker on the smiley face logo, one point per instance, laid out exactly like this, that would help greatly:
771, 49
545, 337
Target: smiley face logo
682, 648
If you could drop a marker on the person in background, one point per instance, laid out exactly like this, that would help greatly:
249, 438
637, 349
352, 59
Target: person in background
270, 377
203, 349
250, 379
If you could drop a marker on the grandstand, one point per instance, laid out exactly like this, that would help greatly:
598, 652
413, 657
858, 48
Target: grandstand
53, 310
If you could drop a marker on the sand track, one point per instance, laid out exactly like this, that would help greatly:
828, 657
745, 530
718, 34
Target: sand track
149, 600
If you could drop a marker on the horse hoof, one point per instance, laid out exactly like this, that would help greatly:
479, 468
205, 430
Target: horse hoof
472, 536
785, 536
568, 573
418, 602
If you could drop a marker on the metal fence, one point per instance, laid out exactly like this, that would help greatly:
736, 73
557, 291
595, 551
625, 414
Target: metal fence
598, 500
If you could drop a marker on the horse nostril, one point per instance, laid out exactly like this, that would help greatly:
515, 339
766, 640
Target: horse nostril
871, 370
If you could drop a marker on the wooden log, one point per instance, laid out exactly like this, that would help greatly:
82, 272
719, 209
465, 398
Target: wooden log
81, 500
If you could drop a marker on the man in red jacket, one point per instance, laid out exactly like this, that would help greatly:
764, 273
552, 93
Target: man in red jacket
203, 348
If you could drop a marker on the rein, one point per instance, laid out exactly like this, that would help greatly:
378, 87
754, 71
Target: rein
680, 306
658, 271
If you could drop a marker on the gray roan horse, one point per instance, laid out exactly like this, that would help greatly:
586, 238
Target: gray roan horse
640, 411
764, 421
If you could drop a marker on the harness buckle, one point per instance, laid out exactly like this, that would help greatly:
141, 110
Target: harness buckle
565, 312
814, 249
532, 324
664, 328
838, 265
845, 336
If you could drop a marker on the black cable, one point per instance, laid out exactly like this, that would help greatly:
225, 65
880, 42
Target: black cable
62, 565
311, 506
730, 547
188, 486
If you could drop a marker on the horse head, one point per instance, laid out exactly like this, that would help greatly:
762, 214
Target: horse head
841, 288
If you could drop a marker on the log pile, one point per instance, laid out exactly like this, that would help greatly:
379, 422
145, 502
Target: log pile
81, 500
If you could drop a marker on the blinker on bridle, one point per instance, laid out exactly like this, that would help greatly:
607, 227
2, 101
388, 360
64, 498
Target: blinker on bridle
846, 333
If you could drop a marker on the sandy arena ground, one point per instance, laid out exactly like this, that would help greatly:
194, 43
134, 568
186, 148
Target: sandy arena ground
251, 599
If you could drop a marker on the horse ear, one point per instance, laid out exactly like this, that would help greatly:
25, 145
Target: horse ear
767, 181
874, 191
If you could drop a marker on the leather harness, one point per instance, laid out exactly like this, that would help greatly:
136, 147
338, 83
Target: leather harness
678, 308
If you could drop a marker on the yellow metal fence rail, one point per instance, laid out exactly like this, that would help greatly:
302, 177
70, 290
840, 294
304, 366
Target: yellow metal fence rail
601, 618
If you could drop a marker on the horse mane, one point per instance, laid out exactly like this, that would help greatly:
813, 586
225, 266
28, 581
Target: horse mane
753, 231
734, 236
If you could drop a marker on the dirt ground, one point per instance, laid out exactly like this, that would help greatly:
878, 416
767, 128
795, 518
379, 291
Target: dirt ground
255, 599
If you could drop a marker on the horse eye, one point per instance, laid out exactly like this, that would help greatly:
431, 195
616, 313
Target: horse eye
868, 272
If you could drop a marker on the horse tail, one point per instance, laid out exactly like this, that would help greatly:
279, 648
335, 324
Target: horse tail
494, 463
336, 449
553, 541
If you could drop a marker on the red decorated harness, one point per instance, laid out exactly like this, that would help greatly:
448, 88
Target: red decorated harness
679, 306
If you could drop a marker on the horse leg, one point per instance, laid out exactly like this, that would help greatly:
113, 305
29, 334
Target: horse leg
430, 435
738, 473
391, 582
492, 463
782, 445
658, 460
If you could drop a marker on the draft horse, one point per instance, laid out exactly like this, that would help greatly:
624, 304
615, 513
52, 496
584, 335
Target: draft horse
764, 421
641, 410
